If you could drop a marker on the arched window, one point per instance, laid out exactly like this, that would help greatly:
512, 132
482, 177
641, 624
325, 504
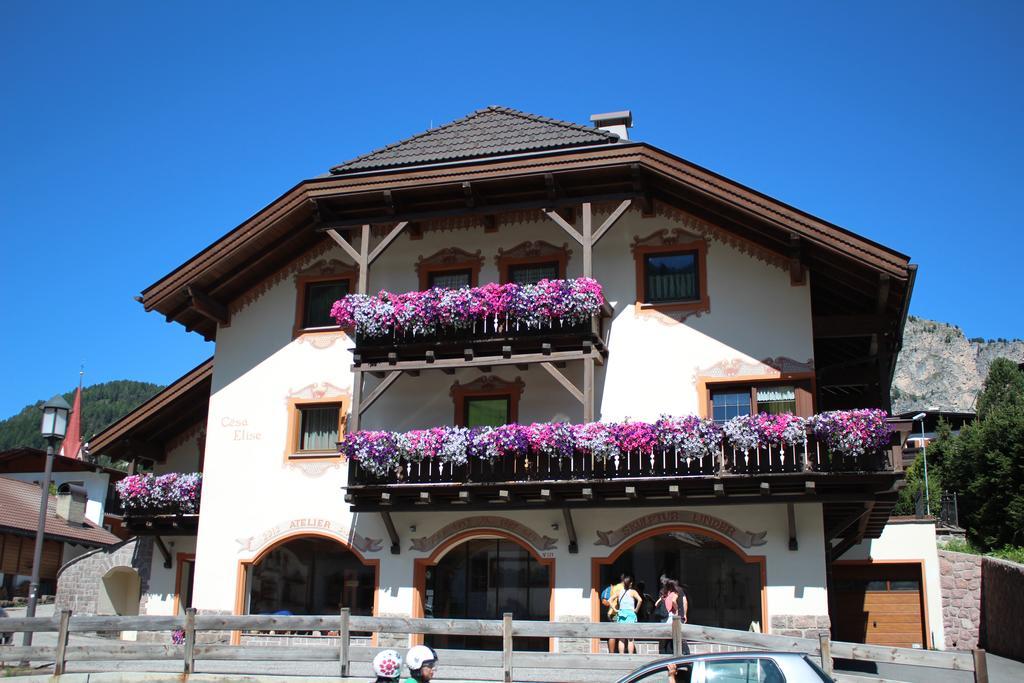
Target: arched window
483, 578
310, 575
722, 589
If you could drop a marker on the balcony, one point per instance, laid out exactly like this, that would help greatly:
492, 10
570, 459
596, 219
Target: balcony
802, 468
553, 320
167, 504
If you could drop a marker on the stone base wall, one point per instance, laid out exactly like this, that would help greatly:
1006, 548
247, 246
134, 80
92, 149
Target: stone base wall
801, 625
79, 581
1002, 605
574, 645
961, 598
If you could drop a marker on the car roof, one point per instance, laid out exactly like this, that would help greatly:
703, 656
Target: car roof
715, 656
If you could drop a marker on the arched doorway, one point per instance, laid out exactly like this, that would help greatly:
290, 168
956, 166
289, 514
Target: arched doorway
483, 578
723, 587
309, 575
119, 592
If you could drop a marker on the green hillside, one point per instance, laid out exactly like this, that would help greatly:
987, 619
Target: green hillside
102, 404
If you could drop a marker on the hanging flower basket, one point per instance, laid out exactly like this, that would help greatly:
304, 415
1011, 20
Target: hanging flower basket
173, 493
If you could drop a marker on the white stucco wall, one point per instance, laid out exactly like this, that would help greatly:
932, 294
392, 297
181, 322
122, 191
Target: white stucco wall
159, 596
910, 540
253, 495
95, 484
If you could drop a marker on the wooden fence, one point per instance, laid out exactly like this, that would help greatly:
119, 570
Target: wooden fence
505, 665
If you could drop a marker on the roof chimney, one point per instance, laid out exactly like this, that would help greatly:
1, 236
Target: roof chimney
617, 122
71, 499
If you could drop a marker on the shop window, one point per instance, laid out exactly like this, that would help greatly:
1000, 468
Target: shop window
487, 402
483, 579
310, 576
528, 263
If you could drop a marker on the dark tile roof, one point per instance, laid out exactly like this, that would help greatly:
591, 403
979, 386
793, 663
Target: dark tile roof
19, 513
484, 133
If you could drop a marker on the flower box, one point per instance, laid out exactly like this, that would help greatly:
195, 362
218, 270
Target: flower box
167, 494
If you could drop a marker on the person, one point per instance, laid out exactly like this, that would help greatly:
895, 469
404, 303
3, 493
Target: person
647, 606
387, 666
422, 663
667, 606
629, 602
610, 598
6, 637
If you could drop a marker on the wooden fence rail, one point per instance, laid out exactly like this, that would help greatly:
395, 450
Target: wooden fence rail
502, 663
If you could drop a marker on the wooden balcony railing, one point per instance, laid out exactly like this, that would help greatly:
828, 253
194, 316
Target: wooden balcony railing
485, 338
809, 456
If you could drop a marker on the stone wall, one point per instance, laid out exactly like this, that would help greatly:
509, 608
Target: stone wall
79, 581
800, 625
961, 598
1002, 605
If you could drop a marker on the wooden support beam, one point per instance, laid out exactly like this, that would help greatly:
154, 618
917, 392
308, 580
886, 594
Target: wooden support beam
809, 488
588, 389
464, 497
791, 517
564, 381
631, 492
467, 354
357, 399
551, 186
766, 488
163, 551
673, 491
490, 223
206, 306
545, 495
506, 351
469, 194
573, 232
840, 548
346, 247
385, 498
610, 221
504, 496
448, 371
379, 249
570, 529
431, 362
719, 489
389, 201
588, 240
796, 265
389, 524
364, 259
642, 191
845, 523
522, 366
413, 373
378, 390
588, 494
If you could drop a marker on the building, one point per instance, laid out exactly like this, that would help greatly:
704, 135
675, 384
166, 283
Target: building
68, 534
719, 301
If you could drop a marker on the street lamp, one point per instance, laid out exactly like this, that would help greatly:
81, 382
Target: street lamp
53, 429
924, 451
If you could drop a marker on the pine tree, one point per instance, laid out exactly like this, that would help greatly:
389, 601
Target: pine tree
985, 464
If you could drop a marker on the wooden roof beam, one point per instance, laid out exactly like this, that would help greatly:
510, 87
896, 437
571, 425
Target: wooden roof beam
206, 306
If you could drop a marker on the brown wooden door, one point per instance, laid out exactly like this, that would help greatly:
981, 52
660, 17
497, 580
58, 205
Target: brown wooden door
878, 604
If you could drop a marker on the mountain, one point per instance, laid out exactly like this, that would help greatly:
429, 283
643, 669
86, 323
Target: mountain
102, 404
939, 367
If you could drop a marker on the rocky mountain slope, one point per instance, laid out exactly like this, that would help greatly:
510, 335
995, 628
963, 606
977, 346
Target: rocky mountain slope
939, 367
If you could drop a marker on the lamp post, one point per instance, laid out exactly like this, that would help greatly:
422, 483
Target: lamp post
55, 425
924, 451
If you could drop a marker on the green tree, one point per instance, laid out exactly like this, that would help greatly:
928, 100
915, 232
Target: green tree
985, 464
102, 404
938, 450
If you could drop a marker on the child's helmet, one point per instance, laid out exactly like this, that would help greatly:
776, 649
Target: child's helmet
387, 664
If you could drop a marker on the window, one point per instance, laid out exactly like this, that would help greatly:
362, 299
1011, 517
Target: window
449, 268
532, 273
726, 402
488, 412
488, 401
743, 671
450, 279
316, 296
531, 262
318, 430
670, 277
315, 427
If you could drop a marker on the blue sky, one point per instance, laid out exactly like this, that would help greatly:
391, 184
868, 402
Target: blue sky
134, 134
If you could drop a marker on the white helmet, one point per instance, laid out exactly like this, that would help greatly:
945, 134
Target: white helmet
387, 664
419, 655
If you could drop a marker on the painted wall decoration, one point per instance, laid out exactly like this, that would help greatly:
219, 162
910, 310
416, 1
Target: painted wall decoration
741, 367
542, 544
745, 539
342, 531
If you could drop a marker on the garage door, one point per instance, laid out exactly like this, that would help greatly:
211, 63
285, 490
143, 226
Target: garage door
879, 604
